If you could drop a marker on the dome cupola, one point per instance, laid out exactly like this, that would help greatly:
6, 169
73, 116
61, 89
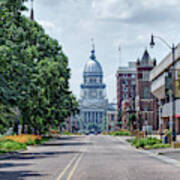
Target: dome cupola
93, 67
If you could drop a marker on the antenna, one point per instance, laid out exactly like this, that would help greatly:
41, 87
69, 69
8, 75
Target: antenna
119, 55
32, 10
93, 44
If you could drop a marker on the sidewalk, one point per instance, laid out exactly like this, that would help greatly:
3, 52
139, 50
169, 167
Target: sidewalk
168, 155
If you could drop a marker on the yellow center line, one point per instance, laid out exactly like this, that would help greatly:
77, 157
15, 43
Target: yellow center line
75, 166
70, 163
67, 167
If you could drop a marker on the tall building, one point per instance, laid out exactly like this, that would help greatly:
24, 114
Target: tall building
126, 88
146, 103
161, 88
93, 102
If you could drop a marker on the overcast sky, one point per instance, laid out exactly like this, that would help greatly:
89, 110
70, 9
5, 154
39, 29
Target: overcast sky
128, 23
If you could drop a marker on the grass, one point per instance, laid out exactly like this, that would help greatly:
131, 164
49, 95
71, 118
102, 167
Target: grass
20, 142
70, 134
10, 146
148, 143
120, 133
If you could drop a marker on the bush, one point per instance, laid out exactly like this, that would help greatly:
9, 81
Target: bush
156, 146
120, 133
68, 133
20, 142
10, 145
24, 138
148, 143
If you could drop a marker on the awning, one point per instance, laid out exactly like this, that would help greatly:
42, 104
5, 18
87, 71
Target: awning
178, 116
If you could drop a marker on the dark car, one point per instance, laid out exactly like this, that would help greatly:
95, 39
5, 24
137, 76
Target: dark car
87, 133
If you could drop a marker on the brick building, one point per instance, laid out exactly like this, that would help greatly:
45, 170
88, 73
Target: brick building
126, 85
146, 103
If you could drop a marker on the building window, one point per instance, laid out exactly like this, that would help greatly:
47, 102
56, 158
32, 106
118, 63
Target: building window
125, 82
101, 115
100, 93
125, 89
112, 117
133, 82
85, 117
125, 75
125, 96
92, 80
147, 94
146, 75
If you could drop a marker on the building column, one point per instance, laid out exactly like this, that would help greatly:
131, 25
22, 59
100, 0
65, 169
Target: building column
91, 116
95, 117
88, 117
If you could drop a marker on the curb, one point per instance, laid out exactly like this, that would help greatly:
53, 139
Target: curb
157, 155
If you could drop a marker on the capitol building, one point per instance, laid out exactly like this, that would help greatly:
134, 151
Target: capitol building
93, 102
96, 114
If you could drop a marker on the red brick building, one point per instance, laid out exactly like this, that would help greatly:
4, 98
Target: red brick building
126, 86
146, 103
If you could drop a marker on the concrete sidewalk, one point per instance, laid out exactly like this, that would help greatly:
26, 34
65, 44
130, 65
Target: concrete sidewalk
168, 155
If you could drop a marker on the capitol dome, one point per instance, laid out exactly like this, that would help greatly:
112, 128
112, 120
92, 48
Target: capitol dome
93, 67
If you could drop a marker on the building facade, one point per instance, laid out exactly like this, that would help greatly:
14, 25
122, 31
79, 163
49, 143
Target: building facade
93, 102
146, 103
112, 115
126, 89
161, 89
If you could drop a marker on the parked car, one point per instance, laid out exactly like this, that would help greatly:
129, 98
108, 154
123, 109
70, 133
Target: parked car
87, 133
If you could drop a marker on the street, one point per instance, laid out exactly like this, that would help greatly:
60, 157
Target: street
86, 158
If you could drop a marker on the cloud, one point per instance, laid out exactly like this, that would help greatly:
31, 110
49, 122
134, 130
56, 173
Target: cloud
139, 11
50, 27
111, 23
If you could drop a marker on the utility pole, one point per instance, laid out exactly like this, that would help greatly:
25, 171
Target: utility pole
172, 122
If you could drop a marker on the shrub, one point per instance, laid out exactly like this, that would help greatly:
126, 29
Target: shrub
19, 142
147, 143
10, 145
120, 133
24, 138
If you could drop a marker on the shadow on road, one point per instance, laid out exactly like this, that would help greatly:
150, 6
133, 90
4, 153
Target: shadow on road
18, 175
66, 137
9, 165
30, 156
67, 144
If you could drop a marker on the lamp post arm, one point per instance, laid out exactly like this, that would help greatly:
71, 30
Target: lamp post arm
164, 41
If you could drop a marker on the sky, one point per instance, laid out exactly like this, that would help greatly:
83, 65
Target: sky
127, 24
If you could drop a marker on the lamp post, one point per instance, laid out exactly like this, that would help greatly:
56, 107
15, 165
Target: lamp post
173, 118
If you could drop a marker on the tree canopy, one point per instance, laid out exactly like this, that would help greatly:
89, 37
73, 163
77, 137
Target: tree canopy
34, 72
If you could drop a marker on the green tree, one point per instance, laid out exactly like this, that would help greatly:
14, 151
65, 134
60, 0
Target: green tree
34, 71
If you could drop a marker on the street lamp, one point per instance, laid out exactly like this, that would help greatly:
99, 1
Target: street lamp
173, 118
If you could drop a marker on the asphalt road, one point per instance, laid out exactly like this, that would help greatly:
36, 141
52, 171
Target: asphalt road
86, 158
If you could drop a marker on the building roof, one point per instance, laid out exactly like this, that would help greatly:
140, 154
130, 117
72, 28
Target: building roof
92, 66
164, 64
130, 69
112, 107
146, 59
